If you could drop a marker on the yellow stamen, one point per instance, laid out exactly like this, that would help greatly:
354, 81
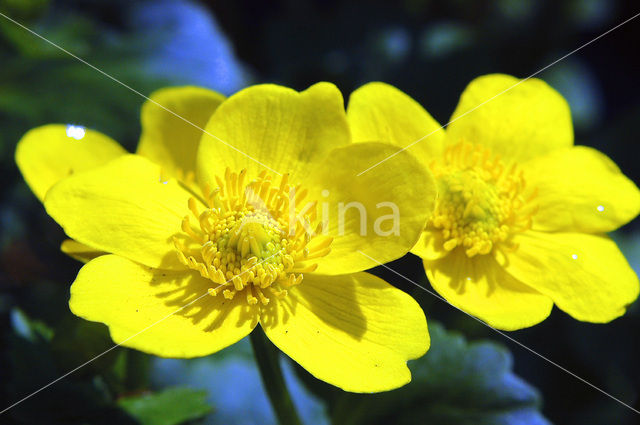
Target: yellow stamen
241, 238
480, 202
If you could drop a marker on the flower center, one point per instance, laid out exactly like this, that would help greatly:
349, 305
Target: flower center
252, 238
480, 201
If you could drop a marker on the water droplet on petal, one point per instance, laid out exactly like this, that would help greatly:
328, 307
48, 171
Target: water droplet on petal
75, 131
574, 256
600, 208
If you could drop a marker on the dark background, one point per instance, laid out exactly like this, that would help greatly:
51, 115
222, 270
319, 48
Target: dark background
429, 49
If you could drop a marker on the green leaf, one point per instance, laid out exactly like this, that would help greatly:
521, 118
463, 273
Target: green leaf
31, 365
456, 382
169, 407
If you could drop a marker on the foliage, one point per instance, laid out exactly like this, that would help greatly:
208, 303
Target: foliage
456, 382
169, 407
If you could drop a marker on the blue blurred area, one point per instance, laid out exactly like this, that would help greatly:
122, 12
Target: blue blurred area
592, 14
189, 47
235, 388
395, 43
440, 39
528, 416
576, 82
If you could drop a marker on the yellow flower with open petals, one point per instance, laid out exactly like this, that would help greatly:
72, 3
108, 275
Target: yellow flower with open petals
521, 214
47, 154
228, 250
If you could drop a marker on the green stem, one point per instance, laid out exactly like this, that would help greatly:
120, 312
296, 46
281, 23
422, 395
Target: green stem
267, 356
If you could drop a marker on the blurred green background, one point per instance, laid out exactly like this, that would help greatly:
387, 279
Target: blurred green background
430, 50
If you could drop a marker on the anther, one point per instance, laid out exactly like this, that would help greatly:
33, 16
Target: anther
242, 242
481, 200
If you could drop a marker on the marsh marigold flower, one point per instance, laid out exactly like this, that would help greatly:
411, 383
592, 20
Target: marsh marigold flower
50, 153
521, 213
210, 226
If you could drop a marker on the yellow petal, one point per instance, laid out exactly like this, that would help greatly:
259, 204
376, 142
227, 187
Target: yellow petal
269, 127
581, 190
161, 312
353, 331
49, 153
585, 275
518, 120
430, 246
172, 124
122, 208
380, 112
381, 212
480, 287
79, 251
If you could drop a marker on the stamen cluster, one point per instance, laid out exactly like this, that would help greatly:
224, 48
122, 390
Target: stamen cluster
251, 238
480, 202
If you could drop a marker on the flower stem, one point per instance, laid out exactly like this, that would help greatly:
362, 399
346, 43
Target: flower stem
267, 356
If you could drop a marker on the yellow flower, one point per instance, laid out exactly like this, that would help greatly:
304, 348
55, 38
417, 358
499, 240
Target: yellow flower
521, 214
226, 247
47, 154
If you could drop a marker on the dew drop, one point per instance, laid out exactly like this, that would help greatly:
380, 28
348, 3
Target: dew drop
600, 208
574, 256
75, 132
